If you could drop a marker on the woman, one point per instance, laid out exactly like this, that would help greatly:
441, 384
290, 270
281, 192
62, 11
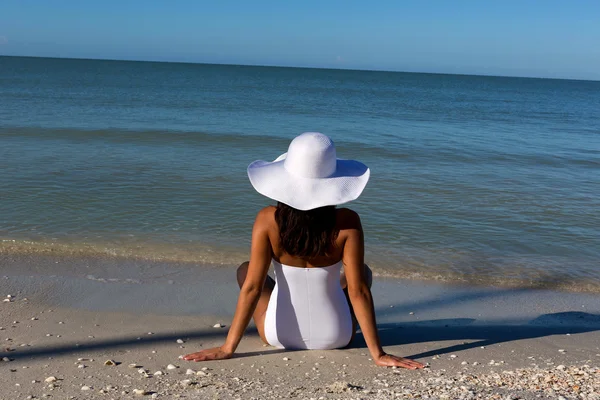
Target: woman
308, 241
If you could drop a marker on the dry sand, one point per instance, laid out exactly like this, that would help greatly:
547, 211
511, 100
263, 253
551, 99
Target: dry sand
480, 343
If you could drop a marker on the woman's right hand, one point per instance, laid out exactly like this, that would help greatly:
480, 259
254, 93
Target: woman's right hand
389, 360
216, 353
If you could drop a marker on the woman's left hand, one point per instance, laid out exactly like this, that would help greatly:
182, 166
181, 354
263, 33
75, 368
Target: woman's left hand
216, 353
389, 360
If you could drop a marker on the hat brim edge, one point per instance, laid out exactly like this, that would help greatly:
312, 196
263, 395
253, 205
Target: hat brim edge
346, 185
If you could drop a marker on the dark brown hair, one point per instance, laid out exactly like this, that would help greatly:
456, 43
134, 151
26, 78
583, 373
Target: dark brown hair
306, 234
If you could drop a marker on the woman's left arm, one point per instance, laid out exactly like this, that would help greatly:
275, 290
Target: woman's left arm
362, 300
260, 259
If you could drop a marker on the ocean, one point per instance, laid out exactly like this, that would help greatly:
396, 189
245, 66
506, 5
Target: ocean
487, 180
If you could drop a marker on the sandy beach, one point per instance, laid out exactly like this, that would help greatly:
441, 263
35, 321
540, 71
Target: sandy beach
60, 325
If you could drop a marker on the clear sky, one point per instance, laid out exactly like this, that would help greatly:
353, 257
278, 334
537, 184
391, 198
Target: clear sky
544, 38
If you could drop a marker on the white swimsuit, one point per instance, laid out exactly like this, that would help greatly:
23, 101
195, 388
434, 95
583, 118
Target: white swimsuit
308, 309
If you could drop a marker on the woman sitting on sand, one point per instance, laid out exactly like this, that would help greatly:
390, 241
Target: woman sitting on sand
308, 240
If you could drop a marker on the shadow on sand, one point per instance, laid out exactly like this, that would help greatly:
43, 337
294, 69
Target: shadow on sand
460, 329
110, 344
463, 329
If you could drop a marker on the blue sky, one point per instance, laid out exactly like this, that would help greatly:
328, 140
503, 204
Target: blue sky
543, 38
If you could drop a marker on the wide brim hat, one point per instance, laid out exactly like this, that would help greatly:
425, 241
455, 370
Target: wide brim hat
309, 175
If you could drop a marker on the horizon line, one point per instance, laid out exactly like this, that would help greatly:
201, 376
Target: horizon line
298, 67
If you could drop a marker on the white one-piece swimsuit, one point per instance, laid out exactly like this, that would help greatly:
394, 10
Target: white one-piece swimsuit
308, 309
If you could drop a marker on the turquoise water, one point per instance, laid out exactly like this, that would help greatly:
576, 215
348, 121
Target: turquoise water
483, 179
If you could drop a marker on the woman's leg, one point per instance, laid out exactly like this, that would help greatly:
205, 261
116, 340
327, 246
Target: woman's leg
369, 278
261, 308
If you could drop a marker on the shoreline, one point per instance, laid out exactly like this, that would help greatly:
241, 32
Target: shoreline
64, 258
168, 288
479, 342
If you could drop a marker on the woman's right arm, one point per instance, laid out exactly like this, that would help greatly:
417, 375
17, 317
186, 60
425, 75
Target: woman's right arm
361, 298
260, 259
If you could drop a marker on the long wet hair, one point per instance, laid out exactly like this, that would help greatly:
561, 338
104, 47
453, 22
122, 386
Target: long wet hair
306, 234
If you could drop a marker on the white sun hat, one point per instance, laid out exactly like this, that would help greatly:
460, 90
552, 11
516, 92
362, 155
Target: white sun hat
309, 175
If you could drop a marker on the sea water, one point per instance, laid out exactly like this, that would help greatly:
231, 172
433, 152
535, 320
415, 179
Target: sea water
473, 178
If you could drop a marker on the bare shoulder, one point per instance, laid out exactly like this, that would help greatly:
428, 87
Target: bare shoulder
348, 219
268, 211
266, 217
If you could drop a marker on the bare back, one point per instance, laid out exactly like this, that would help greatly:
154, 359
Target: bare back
346, 220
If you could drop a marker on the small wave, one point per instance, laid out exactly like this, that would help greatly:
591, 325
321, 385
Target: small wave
145, 137
134, 250
517, 278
